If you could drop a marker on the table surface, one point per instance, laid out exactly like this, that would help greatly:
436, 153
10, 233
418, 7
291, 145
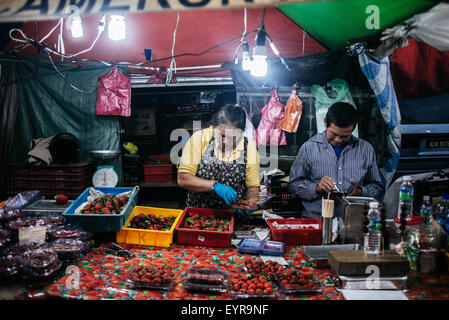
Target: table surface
103, 276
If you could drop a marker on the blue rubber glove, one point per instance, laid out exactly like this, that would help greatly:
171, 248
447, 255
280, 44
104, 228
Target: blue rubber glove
226, 192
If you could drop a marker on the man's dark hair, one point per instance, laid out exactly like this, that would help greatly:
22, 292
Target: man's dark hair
230, 114
341, 114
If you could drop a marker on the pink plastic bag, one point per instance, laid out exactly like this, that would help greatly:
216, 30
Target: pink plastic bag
114, 94
269, 131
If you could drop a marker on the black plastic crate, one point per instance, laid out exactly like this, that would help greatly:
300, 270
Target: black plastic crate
283, 199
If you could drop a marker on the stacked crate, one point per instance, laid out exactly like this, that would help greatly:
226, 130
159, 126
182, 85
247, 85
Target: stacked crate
70, 180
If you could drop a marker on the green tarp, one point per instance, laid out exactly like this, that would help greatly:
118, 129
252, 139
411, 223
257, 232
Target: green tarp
332, 23
49, 105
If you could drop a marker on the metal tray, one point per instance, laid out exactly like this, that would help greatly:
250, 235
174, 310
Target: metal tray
317, 255
45, 206
366, 283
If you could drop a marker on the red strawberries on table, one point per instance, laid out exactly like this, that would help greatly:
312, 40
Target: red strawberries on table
268, 269
210, 223
108, 204
61, 199
151, 275
152, 222
293, 278
251, 284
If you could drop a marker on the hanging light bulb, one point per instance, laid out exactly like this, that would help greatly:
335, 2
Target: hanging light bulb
246, 59
117, 27
76, 27
259, 66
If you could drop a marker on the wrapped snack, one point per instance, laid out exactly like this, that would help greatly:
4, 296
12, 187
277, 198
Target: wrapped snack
151, 277
20, 248
53, 221
10, 267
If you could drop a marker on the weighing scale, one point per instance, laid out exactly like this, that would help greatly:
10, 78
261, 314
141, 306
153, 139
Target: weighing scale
106, 175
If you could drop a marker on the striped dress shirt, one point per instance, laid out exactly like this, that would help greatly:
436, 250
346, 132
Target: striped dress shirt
317, 159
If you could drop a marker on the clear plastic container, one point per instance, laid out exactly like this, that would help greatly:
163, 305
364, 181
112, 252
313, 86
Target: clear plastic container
261, 247
10, 268
250, 286
25, 223
69, 250
6, 238
7, 214
268, 268
20, 248
373, 238
68, 232
205, 288
39, 277
205, 275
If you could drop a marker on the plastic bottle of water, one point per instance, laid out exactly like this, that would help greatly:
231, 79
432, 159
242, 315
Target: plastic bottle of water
406, 198
373, 237
426, 210
441, 211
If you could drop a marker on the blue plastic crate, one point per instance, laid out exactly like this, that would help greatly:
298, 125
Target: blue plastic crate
100, 222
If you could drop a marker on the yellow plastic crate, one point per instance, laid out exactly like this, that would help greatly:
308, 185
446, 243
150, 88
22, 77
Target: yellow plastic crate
149, 237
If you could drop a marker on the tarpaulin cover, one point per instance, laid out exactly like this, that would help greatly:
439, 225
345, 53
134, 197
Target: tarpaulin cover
48, 106
269, 131
114, 94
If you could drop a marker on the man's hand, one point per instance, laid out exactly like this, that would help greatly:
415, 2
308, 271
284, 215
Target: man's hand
356, 191
326, 185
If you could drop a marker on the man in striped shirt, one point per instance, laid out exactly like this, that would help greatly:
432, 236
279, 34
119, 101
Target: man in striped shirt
334, 160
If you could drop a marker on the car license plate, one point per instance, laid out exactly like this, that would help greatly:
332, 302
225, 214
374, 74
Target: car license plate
438, 144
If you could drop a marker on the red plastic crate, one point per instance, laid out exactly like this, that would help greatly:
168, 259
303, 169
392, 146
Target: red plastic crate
158, 169
204, 237
309, 237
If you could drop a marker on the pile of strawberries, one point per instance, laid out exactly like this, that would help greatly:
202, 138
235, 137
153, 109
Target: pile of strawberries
153, 275
268, 269
292, 278
152, 222
210, 223
251, 284
108, 204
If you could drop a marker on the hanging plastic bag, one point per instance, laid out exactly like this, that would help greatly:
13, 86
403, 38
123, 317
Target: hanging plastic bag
323, 101
293, 112
269, 131
114, 94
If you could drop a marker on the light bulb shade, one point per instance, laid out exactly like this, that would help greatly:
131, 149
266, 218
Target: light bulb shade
259, 66
76, 28
117, 27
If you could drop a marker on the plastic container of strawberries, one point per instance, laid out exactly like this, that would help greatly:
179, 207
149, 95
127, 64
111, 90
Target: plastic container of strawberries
308, 237
204, 237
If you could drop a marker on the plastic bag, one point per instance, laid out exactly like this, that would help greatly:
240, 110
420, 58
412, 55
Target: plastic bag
12, 208
269, 132
293, 112
114, 94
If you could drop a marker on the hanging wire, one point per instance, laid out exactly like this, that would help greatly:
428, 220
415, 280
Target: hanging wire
236, 60
173, 62
303, 41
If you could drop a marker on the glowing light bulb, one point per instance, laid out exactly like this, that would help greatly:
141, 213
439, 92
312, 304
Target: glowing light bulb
246, 59
117, 27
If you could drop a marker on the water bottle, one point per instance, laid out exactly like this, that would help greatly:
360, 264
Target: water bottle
406, 198
441, 211
426, 210
373, 237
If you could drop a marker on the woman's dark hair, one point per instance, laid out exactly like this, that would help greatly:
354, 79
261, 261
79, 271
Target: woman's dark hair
341, 114
230, 114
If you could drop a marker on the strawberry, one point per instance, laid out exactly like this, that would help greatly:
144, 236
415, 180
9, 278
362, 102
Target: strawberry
61, 199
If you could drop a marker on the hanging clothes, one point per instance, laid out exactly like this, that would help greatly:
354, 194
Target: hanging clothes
293, 112
269, 131
323, 101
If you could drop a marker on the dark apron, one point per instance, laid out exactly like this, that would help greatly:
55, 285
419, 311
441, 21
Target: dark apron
229, 173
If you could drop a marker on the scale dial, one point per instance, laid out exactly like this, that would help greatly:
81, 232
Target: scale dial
105, 177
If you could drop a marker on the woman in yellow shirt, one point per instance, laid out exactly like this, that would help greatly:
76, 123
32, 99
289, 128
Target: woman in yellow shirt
218, 164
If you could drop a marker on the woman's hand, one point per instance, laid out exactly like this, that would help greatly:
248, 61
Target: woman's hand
228, 194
